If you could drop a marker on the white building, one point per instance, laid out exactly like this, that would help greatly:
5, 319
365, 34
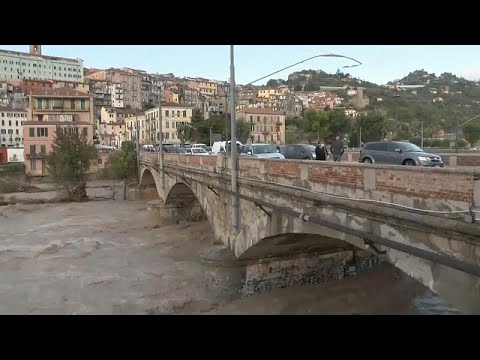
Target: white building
11, 129
16, 66
116, 92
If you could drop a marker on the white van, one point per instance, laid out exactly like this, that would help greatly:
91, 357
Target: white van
194, 146
220, 146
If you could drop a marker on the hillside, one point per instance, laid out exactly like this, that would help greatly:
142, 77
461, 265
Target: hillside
439, 103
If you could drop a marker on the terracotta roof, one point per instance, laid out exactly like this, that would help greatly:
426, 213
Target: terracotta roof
64, 91
66, 123
263, 111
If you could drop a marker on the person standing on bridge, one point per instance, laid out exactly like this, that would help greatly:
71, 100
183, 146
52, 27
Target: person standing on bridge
321, 152
337, 149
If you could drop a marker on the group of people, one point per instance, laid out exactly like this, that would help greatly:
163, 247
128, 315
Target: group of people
336, 149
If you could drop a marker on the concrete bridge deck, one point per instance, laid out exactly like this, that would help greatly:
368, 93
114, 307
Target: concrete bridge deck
283, 201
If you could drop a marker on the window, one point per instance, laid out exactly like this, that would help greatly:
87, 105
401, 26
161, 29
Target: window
16, 131
3, 122
251, 118
16, 122
185, 113
82, 104
31, 132
3, 131
33, 164
43, 150
72, 104
166, 113
33, 149
99, 161
42, 132
377, 146
84, 131
9, 122
258, 118
39, 103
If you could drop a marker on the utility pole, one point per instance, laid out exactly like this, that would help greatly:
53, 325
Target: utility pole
138, 145
160, 138
360, 138
210, 136
422, 134
456, 135
233, 146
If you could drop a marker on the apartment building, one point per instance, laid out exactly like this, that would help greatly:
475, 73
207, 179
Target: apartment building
171, 96
266, 125
47, 110
172, 116
131, 84
39, 137
18, 66
266, 93
131, 128
204, 86
61, 104
11, 128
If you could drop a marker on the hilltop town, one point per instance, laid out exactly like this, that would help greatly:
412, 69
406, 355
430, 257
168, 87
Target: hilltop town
108, 104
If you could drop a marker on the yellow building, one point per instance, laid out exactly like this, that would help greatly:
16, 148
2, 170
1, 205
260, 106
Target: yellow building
62, 104
266, 126
172, 116
204, 86
131, 128
266, 93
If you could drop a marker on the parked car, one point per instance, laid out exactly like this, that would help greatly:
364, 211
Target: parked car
195, 151
298, 151
262, 151
397, 153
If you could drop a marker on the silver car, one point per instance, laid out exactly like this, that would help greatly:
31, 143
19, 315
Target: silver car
262, 151
397, 153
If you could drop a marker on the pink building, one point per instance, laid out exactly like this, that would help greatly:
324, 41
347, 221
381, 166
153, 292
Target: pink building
38, 139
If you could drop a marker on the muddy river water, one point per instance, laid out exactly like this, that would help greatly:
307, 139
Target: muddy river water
102, 257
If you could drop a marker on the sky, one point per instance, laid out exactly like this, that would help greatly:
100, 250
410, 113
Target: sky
380, 63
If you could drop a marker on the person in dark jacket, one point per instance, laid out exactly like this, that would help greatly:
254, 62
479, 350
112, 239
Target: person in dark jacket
321, 152
337, 149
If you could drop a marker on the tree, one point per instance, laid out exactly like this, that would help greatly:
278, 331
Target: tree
121, 165
272, 83
472, 133
70, 160
185, 132
372, 125
316, 122
298, 87
242, 130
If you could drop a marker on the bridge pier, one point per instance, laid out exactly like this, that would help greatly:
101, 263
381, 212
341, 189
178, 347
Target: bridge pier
167, 214
230, 278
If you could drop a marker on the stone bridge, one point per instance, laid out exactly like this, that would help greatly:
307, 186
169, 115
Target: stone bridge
407, 214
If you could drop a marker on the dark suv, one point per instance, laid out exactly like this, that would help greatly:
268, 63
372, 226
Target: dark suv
299, 151
397, 153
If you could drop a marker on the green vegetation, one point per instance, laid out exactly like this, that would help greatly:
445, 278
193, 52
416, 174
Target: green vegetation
397, 112
121, 165
70, 161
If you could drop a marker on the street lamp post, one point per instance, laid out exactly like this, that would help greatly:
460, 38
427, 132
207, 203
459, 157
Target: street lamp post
160, 139
233, 145
233, 136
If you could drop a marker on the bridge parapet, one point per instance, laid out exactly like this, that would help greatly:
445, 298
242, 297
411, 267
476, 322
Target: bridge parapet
435, 189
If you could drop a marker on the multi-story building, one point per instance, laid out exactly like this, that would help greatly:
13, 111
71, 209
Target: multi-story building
11, 129
111, 133
171, 96
48, 109
131, 128
39, 137
173, 115
204, 86
189, 96
266, 125
131, 83
266, 93
18, 66
79, 86
28, 86
61, 104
